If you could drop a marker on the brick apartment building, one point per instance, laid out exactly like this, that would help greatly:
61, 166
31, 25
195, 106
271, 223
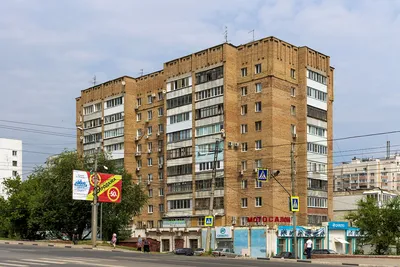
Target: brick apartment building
257, 99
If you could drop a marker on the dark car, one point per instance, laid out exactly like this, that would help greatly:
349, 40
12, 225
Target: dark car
323, 251
184, 251
285, 255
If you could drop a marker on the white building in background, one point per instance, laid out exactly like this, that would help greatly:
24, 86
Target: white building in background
10, 160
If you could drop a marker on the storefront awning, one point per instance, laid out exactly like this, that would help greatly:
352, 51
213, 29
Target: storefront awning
341, 241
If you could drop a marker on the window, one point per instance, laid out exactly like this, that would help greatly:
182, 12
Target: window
316, 148
139, 132
210, 129
258, 202
316, 94
210, 75
149, 115
150, 130
258, 88
243, 128
317, 220
317, 202
149, 99
209, 111
293, 73
161, 192
149, 146
150, 177
150, 209
150, 192
160, 175
244, 202
207, 166
113, 118
181, 152
180, 204
209, 93
139, 101
293, 129
316, 113
150, 224
114, 147
139, 179
114, 102
149, 162
293, 91
258, 126
160, 130
180, 187
88, 110
257, 163
293, 110
161, 160
316, 77
139, 148
200, 221
181, 83
244, 147
14, 173
161, 207
139, 163
179, 101
243, 110
160, 96
14, 153
114, 133
160, 112
316, 184
179, 170
244, 165
258, 184
258, 106
243, 184
257, 68
92, 123
179, 117
243, 221
258, 145
315, 130
179, 136
244, 72
92, 138
139, 117
244, 90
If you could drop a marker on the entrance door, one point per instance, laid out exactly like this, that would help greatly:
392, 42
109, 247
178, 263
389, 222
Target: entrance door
193, 243
179, 243
165, 245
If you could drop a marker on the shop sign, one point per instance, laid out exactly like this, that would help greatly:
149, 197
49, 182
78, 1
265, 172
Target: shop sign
265, 219
353, 232
223, 232
175, 223
287, 231
338, 225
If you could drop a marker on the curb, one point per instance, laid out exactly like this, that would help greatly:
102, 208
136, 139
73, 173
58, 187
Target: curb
265, 259
325, 262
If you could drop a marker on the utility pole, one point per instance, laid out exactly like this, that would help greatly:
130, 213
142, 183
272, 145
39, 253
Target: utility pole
94, 204
211, 210
293, 178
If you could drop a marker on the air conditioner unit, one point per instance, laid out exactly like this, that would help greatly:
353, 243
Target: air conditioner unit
147, 137
138, 169
236, 144
230, 144
160, 166
164, 91
294, 135
147, 121
160, 150
138, 153
148, 182
137, 138
153, 95
256, 170
136, 107
158, 133
122, 114
102, 118
241, 172
149, 151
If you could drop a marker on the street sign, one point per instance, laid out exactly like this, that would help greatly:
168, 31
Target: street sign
208, 221
262, 174
294, 204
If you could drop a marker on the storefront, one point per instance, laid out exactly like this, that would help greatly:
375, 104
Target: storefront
342, 238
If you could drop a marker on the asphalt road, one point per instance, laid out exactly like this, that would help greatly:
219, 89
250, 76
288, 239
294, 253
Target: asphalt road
25, 256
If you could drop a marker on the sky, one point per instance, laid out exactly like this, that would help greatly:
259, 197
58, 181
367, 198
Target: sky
50, 50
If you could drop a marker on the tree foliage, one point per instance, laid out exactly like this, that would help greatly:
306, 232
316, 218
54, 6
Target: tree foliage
379, 226
43, 202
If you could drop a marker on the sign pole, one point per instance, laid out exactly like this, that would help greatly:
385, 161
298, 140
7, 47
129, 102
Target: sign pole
94, 204
292, 174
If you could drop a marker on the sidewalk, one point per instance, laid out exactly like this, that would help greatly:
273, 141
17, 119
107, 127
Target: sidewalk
371, 262
100, 246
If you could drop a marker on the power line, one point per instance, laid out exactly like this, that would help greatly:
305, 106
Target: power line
41, 125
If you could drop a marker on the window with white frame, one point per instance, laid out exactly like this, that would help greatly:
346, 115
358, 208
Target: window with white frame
243, 221
293, 91
209, 93
150, 192
293, 110
149, 130
243, 184
114, 147
139, 163
161, 207
160, 112
114, 102
258, 184
114, 133
113, 118
258, 88
243, 110
257, 68
179, 117
160, 175
160, 96
139, 132
179, 204
293, 73
161, 128
244, 202
316, 77
139, 117
209, 129
317, 148
150, 177
244, 147
258, 201
243, 71
149, 99
150, 209
317, 202
317, 94
258, 126
293, 129
149, 162
244, 165
244, 90
258, 144
315, 130
14, 153
150, 146
258, 106
139, 148
200, 221
258, 163
161, 192
14, 173
243, 128
149, 114
139, 102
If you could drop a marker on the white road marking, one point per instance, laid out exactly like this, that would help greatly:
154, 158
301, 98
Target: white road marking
13, 264
44, 261
81, 262
31, 263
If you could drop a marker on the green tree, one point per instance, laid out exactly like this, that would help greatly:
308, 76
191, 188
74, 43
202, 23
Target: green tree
379, 226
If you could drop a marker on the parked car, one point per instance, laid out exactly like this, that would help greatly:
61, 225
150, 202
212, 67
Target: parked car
285, 255
199, 251
184, 251
323, 251
227, 252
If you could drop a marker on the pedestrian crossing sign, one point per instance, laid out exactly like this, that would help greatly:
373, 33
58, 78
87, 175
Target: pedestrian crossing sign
208, 221
262, 174
294, 204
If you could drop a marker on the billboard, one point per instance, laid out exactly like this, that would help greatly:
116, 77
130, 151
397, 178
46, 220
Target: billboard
110, 186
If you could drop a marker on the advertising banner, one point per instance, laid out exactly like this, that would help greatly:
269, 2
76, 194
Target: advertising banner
223, 232
109, 186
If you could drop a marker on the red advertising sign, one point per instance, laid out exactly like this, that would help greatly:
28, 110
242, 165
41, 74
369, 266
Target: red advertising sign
266, 219
109, 186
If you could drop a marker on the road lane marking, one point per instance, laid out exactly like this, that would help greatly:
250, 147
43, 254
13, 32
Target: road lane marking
91, 263
44, 261
13, 264
31, 263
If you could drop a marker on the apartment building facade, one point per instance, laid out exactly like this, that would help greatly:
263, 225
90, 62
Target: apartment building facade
10, 161
368, 173
258, 100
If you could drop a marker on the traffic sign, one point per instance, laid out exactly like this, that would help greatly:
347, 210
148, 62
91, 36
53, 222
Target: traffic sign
209, 221
262, 174
294, 204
